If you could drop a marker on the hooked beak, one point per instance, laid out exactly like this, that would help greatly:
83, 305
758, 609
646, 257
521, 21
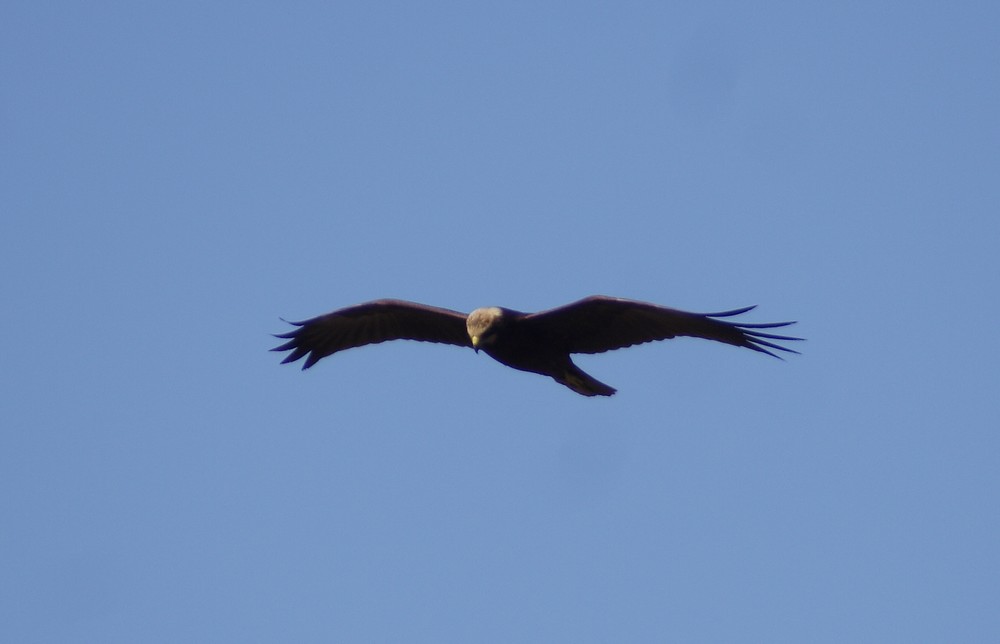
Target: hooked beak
475, 343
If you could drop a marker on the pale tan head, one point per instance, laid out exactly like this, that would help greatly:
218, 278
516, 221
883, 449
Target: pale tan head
482, 325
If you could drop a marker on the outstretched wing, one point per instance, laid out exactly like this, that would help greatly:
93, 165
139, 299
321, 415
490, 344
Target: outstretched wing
371, 323
599, 323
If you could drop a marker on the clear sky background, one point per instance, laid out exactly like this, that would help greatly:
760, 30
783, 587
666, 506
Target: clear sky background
176, 177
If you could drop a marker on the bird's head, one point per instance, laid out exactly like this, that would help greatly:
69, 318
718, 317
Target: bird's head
482, 325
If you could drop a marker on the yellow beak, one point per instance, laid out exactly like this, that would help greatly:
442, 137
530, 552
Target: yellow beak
475, 342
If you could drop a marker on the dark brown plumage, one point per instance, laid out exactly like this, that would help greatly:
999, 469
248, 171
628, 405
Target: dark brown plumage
537, 342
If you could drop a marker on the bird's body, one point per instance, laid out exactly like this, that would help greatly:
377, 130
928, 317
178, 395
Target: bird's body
509, 338
536, 342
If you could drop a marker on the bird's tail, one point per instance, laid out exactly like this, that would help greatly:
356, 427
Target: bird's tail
583, 383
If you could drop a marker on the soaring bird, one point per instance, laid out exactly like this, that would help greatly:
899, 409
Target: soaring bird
536, 342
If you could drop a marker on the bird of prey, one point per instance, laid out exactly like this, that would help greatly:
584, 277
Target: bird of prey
536, 342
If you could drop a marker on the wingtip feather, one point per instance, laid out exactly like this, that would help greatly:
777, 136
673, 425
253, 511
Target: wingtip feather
729, 314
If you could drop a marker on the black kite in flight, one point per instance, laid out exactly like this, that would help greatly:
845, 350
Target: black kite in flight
537, 342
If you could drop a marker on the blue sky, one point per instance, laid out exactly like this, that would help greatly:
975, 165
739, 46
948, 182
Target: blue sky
177, 177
